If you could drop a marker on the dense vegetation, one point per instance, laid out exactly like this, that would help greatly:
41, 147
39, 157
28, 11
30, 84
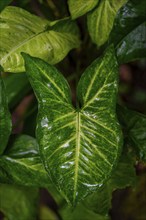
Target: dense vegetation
72, 109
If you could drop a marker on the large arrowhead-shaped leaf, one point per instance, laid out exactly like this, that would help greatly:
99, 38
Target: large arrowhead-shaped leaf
129, 31
78, 8
5, 118
79, 146
100, 20
24, 32
21, 164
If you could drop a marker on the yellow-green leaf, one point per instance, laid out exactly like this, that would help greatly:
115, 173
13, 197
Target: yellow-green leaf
100, 20
24, 32
78, 8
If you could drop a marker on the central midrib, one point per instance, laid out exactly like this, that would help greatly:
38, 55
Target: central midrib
22, 44
77, 153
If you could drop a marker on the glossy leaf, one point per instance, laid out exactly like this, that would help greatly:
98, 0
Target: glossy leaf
24, 32
79, 147
5, 118
21, 164
129, 31
4, 3
17, 87
133, 47
123, 176
134, 124
100, 20
18, 202
130, 16
78, 8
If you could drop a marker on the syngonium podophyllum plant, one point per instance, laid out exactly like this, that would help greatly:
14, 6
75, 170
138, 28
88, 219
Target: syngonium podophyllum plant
80, 154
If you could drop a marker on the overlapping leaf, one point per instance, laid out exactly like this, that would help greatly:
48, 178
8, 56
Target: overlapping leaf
21, 164
133, 46
18, 202
100, 20
129, 31
97, 205
134, 124
78, 8
4, 3
5, 118
81, 212
79, 146
17, 87
22, 31
123, 176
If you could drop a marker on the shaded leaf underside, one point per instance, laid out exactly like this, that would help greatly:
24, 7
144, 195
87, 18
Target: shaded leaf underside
79, 147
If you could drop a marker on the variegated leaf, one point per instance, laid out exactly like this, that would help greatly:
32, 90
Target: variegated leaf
78, 8
79, 147
100, 20
24, 32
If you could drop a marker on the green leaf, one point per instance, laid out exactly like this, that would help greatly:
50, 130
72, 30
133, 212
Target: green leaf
21, 164
24, 32
18, 202
80, 213
123, 176
133, 47
47, 214
79, 147
4, 3
17, 87
5, 118
134, 124
128, 34
100, 20
78, 8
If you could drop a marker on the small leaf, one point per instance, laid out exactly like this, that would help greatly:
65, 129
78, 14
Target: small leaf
17, 87
21, 164
24, 32
129, 31
78, 8
79, 147
4, 3
18, 202
134, 124
100, 20
5, 118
